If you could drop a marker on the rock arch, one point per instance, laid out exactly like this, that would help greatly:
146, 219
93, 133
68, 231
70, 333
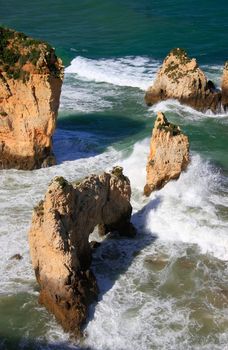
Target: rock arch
58, 239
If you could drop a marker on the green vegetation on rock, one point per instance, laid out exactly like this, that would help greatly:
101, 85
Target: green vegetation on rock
17, 50
117, 171
173, 68
181, 54
169, 127
39, 208
62, 182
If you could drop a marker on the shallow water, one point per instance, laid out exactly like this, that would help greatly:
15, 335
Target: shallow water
168, 287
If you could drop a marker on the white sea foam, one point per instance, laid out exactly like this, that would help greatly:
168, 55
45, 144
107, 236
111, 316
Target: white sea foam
155, 305
18, 196
185, 111
187, 212
135, 165
133, 311
96, 85
183, 210
144, 308
137, 308
135, 72
86, 97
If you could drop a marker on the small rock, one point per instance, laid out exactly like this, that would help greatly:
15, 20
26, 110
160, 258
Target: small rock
94, 245
16, 257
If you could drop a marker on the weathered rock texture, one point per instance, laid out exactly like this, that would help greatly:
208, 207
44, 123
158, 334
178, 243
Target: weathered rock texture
180, 78
224, 86
58, 239
169, 154
30, 84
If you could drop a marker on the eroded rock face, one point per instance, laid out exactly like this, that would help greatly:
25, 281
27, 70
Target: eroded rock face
224, 86
58, 239
169, 154
30, 84
180, 78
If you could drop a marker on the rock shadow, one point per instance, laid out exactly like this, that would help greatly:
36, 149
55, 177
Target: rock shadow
116, 253
86, 135
17, 342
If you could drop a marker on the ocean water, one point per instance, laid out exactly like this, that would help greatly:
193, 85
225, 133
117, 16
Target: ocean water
167, 288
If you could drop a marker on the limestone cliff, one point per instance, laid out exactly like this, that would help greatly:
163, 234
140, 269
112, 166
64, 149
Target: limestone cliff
180, 78
169, 154
58, 239
30, 85
224, 86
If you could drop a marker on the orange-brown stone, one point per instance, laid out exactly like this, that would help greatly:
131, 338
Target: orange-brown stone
180, 78
59, 240
224, 86
169, 154
30, 85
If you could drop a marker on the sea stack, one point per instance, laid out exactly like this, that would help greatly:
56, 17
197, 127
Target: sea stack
181, 79
59, 245
224, 87
30, 84
169, 154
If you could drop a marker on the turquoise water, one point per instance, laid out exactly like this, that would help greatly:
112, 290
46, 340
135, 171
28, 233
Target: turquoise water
105, 28
168, 288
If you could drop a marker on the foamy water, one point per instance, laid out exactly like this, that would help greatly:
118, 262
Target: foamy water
185, 210
185, 111
152, 305
165, 289
18, 197
127, 71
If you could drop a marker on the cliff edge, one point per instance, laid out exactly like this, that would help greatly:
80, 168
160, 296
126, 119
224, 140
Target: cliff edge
30, 84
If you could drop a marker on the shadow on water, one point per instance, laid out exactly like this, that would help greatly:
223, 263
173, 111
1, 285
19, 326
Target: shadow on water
87, 135
16, 343
116, 254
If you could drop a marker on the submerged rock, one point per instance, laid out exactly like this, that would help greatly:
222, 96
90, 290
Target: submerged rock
94, 245
169, 154
180, 78
16, 257
30, 84
59, 245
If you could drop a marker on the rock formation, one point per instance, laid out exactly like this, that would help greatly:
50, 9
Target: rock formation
30, 84
224, 86
169, 154
180, 78
58, 239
